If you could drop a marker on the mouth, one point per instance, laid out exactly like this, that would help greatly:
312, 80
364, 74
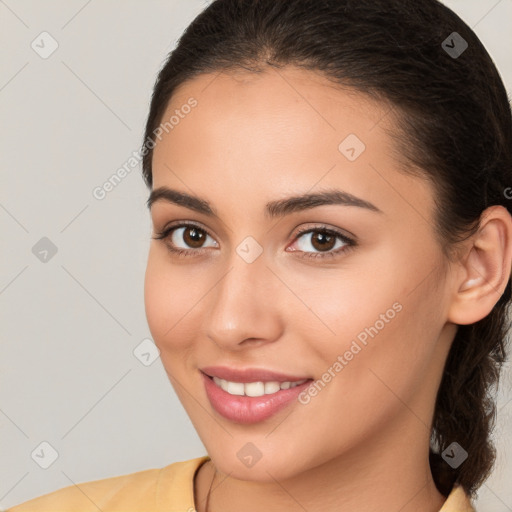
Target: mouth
243, 400
255, 389
250, 375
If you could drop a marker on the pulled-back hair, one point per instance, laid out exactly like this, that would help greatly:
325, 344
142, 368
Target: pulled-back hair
452, 123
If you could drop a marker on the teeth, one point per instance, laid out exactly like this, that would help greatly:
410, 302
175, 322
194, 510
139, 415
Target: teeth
271, 387
234, 388
254, 388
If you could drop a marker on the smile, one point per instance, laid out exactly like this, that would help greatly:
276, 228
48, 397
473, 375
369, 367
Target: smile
254, 389
251, 402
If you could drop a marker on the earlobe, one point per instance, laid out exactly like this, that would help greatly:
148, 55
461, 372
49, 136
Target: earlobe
486, 269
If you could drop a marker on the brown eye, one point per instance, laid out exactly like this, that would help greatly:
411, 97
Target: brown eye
185, 239
193, 237
321, 242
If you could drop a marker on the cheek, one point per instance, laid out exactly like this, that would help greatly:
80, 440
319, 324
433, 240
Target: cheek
168, 297
370, 373
388, 359
385, 321
344, 306
156, 298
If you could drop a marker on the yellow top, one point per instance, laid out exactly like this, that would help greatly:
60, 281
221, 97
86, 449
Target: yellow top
169, 489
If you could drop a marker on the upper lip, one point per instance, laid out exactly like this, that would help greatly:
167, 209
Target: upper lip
249, 374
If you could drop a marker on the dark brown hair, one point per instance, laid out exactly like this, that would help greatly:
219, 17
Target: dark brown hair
453, 125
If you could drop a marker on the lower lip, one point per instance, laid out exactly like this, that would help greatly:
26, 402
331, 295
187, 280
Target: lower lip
249, 409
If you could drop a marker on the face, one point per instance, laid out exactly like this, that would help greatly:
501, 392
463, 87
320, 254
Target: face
349, 295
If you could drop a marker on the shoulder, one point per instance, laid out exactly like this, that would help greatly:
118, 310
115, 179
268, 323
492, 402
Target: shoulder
149, 490
458, 501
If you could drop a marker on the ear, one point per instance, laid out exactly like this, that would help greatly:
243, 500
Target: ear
486, 268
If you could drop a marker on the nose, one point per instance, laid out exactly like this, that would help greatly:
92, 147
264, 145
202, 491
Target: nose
244, 307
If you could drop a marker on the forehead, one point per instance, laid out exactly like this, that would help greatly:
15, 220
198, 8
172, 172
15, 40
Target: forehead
247, 116
280, 130
274, 91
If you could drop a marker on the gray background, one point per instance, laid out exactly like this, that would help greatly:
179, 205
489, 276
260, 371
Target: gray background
69, 325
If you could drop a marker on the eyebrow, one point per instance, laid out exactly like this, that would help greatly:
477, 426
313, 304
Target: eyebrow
273, 209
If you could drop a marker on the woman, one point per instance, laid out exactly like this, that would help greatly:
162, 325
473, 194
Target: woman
329, 274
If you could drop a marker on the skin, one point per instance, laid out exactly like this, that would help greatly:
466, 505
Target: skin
361, 443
